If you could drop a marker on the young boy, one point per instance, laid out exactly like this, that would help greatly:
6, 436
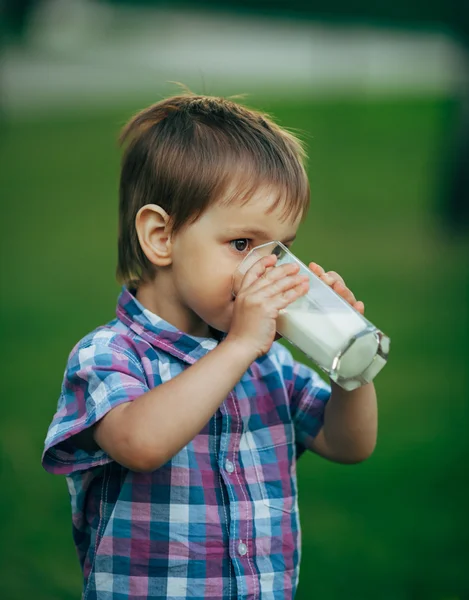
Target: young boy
180, 421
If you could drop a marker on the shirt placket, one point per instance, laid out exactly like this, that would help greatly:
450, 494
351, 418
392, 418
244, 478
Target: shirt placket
241, 532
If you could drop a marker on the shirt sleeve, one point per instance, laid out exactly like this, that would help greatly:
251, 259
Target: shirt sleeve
308, 394
98, 378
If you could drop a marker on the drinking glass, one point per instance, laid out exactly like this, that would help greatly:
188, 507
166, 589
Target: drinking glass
336, 337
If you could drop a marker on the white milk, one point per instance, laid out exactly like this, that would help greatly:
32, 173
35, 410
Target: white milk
321, 336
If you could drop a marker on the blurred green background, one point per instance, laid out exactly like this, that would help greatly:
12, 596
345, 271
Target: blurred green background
393, 528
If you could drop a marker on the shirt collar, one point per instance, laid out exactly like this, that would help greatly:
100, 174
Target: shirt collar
158, 332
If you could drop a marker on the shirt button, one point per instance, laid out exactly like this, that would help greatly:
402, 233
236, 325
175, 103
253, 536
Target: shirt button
229, 466
242, 549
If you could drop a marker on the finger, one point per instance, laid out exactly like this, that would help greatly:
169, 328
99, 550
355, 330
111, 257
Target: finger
360, 307
271, 275
316, 269
285, 298
257, 270
344, 292
331, 277
286, 283
272, 288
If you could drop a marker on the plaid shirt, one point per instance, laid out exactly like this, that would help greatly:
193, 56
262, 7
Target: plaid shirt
220, 519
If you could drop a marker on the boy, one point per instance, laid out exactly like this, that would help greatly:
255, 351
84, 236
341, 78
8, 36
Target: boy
180, 421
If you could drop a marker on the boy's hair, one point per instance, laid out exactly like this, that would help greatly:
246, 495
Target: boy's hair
187, 152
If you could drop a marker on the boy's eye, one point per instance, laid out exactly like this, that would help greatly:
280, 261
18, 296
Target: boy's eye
241, 245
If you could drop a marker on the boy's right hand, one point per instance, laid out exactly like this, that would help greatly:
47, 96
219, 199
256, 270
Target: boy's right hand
263, 293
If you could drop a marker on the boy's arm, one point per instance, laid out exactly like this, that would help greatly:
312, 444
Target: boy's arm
144, 434
350, 425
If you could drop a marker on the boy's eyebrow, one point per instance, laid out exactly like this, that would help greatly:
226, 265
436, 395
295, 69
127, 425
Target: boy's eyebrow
257, 233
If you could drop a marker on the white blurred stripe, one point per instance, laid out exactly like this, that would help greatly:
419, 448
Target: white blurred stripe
83, 52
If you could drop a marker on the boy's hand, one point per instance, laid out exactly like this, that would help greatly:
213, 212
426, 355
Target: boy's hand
335, 281
263, 293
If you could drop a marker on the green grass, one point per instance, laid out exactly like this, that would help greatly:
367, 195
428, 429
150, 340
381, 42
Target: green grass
393, 528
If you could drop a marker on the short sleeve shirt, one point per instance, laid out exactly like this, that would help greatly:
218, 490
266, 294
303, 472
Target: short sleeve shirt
218, 520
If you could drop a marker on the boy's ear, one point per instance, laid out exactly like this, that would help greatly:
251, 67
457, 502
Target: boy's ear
154, 234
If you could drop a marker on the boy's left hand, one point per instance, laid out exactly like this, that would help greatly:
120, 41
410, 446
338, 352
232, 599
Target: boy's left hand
335, 281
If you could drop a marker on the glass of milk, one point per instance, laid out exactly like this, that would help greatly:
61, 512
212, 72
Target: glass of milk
336, 337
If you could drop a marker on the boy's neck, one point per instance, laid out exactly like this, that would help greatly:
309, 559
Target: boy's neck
160, 297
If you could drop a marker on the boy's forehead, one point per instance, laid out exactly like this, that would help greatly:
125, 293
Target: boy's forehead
261, 210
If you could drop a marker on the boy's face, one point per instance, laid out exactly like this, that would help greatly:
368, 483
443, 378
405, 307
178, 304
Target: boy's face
206, 254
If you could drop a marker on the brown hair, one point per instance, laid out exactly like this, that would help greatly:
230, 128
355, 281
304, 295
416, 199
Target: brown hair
188, 151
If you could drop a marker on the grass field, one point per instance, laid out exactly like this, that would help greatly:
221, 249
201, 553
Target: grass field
393, 528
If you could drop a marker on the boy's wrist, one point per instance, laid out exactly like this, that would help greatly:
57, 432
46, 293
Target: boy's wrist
239, 350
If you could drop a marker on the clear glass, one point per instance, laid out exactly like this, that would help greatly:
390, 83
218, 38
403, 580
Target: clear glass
337, 338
